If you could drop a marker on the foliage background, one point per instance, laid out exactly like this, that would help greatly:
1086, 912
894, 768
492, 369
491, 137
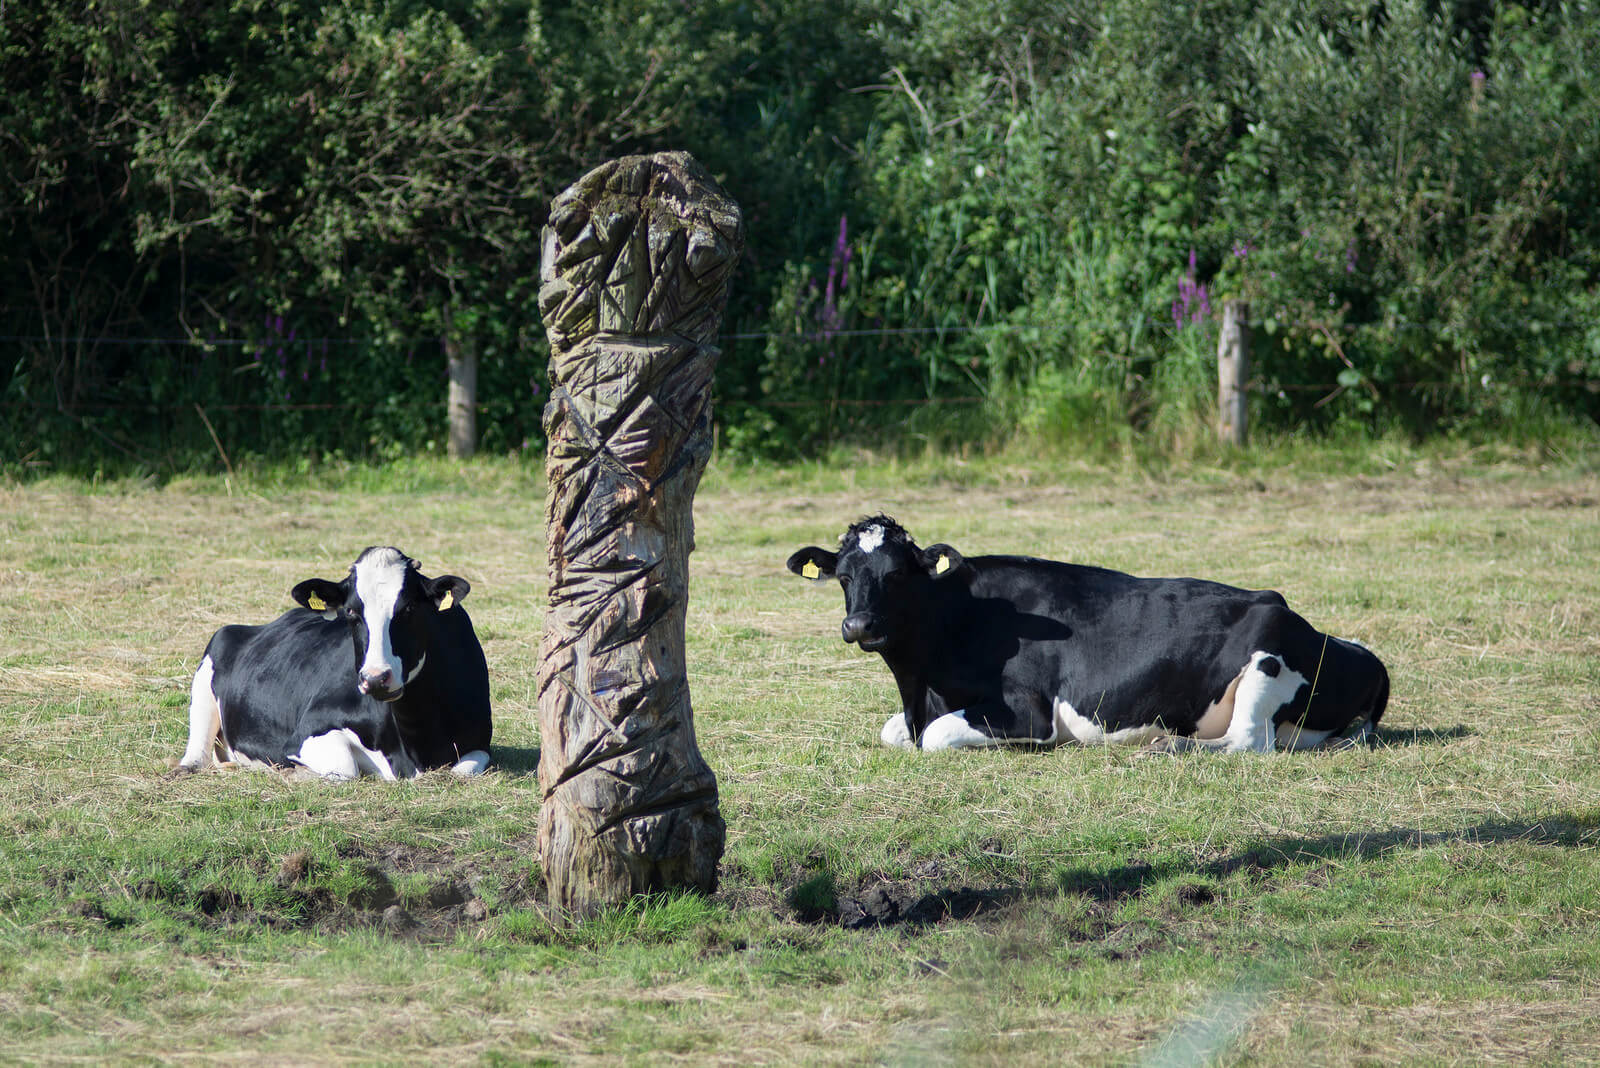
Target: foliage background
247, 226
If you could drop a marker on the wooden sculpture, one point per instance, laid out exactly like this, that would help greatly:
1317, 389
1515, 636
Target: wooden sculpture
636, 260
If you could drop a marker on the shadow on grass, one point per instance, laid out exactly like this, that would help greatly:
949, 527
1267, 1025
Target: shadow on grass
1421, 736
913, 902
516, 760
1564, 830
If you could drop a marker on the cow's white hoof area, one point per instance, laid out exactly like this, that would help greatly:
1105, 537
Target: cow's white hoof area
895, 733
474, 763
952, 731
339, 755
327, 755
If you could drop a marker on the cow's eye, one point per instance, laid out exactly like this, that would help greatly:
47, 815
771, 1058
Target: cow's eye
844, 581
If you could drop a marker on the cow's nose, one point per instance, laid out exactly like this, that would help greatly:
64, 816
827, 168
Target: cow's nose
857, 627
381, 681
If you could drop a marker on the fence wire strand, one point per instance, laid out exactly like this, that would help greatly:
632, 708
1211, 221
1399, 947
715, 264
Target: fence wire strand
277, 345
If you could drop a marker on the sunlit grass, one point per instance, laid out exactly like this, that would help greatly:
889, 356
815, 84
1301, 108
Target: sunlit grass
1433, 899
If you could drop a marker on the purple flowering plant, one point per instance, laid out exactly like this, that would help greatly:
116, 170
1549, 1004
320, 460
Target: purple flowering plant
276, 353
1193, 305
830, 319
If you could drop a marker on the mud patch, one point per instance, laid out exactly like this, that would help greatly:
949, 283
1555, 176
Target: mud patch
92, 908
812, 897
416, 893
407, 892
889, 903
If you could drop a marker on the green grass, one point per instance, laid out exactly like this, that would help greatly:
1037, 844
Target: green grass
1433, 900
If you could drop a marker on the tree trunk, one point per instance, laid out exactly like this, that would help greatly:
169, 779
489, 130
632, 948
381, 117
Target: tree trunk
636, 261
462, 358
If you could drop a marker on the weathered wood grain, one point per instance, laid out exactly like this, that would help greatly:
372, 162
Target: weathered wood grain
636, 260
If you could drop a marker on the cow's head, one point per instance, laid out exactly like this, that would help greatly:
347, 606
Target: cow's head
888, 581
386, 601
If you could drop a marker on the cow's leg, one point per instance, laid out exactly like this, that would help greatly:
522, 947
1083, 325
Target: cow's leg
1266, 686
1293, 737
994, 723
327, 755
473, 763
205, 719
1287, 736
1365, 733
895, 732
339, 754
1297, 738
916, 714
952, 731
1068, 724
1362, 733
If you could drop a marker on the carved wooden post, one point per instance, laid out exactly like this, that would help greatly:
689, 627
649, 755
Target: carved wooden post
636, 261
1233, 372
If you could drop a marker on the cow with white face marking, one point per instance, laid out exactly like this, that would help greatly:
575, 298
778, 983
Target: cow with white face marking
416, 696
988, 650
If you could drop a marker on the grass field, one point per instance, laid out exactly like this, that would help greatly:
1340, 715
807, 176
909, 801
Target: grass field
1434, 900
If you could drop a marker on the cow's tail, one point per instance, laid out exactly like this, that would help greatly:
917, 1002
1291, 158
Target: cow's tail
1381, 700
1366, 729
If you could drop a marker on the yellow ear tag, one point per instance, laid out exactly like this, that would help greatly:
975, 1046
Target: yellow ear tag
943, 565
316, 604
447, 600
811, 570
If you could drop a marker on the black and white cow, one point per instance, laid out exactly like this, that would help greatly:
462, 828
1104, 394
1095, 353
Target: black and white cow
415, 696
988, 650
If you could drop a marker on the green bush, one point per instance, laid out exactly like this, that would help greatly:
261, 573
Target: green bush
966, 220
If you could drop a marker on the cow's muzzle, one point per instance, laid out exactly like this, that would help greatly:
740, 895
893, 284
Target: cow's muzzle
381, 685
862, 629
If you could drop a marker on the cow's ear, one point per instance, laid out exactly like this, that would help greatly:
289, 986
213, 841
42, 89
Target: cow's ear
813, 563
448, 591
941, 560
320, 596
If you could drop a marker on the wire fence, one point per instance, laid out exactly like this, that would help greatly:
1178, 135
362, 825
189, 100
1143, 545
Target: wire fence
820, 335
277, 344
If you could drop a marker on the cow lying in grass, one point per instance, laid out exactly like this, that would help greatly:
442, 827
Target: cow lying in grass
415, 697
989, 650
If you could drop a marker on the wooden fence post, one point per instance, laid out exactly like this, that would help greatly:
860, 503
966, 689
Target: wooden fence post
634, 277
461, 358
1233, 372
